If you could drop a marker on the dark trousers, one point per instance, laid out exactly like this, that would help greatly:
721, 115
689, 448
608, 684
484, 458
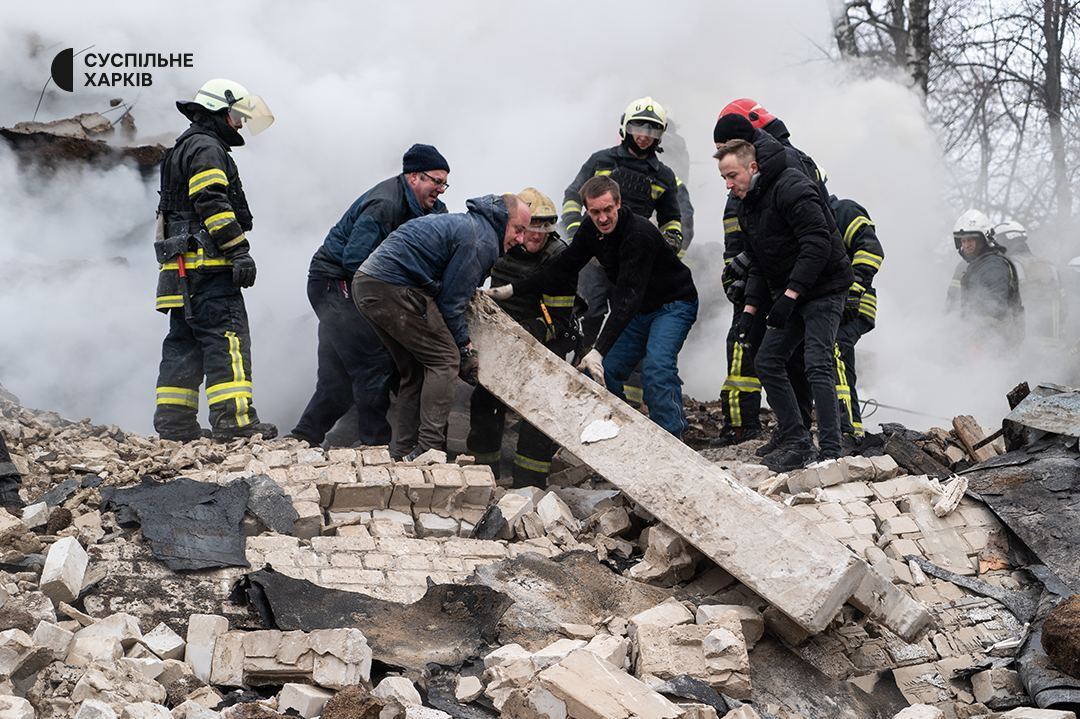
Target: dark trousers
813, 324
846, 338
413, 330
215, 343
487, 421
354, 368
740, 395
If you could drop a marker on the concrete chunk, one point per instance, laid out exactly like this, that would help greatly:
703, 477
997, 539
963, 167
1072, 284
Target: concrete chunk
203, 631
145, 710
764, 544
65, 566
122, 626
920, 711
88, 650
164, 642
306, 700
193, 710
612, 649
553, 512
52, 637
667, 614
594, 689
998, 688
400, 689
95, 709
15, 647
467, 689
1032, 713
12, 707
753, 624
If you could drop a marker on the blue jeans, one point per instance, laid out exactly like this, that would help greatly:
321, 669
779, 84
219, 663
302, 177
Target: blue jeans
654, 339
812, 325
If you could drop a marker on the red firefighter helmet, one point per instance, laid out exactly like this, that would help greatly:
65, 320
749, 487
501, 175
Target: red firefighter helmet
758, 116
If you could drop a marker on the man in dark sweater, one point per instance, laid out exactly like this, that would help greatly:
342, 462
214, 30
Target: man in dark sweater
653, 305
798, 261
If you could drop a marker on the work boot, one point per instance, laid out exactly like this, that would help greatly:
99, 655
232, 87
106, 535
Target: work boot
785, 459
186, 436
267, 430
769, 446
306, 440
735, 435
413, 454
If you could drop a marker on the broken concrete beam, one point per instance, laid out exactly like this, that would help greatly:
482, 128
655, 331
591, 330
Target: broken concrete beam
203, 631
594, 689
65, 567
304, 699
889, 605
767, 546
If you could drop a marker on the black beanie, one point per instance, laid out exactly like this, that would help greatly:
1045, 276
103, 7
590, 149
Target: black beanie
420, 158
732, 127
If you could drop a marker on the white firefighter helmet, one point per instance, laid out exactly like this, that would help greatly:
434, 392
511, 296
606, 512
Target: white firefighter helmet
1010, 233
973, 222
544, 213
646, 116
221, 94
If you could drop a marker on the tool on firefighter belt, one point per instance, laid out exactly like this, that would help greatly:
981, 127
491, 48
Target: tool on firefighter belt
181, 271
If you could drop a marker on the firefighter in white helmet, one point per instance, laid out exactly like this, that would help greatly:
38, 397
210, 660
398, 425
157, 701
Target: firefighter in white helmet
204, 262
987, 293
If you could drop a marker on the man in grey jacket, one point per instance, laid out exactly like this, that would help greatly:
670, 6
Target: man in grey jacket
414, 289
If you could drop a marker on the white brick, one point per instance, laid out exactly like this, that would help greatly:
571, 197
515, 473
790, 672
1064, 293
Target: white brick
164, 642
203, 631
94, 709
145, 710
399, 689
52, 637
12, 707
65, 567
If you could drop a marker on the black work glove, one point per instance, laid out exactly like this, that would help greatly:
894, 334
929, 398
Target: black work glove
469, 370
243, 270
733, 278
780, 312
674, 240
742, 327
851, 305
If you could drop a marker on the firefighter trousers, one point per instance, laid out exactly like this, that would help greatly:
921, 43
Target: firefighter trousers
487, 421
846, 338
216, 344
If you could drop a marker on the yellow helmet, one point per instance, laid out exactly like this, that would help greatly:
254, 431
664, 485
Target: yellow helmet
647, 116
544, 213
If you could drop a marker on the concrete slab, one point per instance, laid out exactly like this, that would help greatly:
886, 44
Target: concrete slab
766, 546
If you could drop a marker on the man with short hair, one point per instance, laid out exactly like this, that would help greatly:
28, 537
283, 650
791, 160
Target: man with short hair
549, 317
354, 367
414, 289
653, 304
798, 261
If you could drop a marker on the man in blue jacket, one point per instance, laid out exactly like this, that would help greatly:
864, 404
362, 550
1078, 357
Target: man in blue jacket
354, 366
414, 289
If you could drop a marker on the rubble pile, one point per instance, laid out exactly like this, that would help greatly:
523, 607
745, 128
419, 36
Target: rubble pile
364, 587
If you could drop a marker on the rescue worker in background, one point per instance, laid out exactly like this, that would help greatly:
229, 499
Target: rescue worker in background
797, 259
740, 395
860, 308
648, 187
547, 316
414, 289
1040, 284
354, 367
205, 261
653, 306
988, 297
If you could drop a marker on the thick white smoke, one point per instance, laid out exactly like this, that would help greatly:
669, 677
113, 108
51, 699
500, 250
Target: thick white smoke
513, 96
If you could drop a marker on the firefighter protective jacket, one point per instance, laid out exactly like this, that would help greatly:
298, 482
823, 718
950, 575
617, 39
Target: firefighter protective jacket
201, 199
863, 249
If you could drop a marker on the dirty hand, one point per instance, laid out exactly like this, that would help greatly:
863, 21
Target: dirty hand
469, 370
243, 270
503, 292
593, 364
780, 312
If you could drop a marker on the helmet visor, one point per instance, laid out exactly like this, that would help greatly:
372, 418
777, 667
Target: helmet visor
543, 224
253, 112
649, 129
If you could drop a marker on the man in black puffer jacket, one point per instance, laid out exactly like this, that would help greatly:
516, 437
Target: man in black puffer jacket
798, 263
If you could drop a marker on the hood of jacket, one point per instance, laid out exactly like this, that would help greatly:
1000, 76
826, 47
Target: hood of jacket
771, 159
492, 209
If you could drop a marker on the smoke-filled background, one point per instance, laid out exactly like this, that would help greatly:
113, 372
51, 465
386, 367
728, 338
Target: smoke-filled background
513, 95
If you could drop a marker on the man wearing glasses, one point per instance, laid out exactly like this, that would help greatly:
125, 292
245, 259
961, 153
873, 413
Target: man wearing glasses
354, 366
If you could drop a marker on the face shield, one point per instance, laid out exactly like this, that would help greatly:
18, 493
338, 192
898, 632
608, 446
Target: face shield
543, 224
253, 113
639, 127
